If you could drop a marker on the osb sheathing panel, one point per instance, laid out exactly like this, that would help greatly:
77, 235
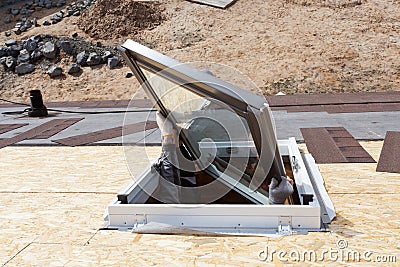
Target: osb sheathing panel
163, 250
66, 169
60, 227
342, 178
53, 217
360, 177
11, 242
367, 216
125, 249
373, 148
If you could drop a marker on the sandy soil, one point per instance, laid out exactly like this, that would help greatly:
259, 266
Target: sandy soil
292, 46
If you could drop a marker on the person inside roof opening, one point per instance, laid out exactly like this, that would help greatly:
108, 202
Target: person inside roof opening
172, 176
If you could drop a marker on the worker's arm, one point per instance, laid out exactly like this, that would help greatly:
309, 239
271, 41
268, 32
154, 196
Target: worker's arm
168, 189
280, 191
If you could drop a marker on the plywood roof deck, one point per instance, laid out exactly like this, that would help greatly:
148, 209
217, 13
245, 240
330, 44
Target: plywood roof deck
52, 201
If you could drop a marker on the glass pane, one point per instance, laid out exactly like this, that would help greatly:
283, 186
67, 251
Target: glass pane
175, 98
219, 137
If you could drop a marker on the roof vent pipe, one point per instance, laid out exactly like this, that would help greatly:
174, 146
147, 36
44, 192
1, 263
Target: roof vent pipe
38, 109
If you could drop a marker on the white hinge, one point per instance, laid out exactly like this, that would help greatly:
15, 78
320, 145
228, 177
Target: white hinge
139, 220
285, 225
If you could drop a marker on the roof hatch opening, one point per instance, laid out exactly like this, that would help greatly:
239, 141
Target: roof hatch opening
229, 142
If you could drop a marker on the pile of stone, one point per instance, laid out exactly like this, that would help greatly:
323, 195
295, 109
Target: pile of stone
23, 25
24, 22
9, 2
74, 9
45, 51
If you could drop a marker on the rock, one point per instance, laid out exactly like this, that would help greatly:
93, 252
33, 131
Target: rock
47, 36
14, 50
129, 75
36, 38
66, 47
24, 12
35, 22
23, 29
28, 24
23, 56
106, 56
3, 61
17, 31
74, 35
74, 68
11, 42
77, 13
30, 45
3, 51
7, 34
24, 68
56, 18
16, 47
14, 11
11, 62
54, 71
93, 59
46, 23
36, 55
49, 50
113, 62
7, 20
81, 58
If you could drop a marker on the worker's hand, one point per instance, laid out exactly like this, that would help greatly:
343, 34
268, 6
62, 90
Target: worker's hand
278, 192
168, 134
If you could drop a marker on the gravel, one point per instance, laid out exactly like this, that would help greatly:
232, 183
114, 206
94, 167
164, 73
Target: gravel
81, 58
74, 68
54, 71
93, 59
113, 62
43, 52
49, 50
24, 68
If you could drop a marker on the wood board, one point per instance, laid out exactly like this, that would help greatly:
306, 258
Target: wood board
365, 221
215, 3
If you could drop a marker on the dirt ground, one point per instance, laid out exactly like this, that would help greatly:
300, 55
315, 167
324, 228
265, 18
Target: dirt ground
289, 46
